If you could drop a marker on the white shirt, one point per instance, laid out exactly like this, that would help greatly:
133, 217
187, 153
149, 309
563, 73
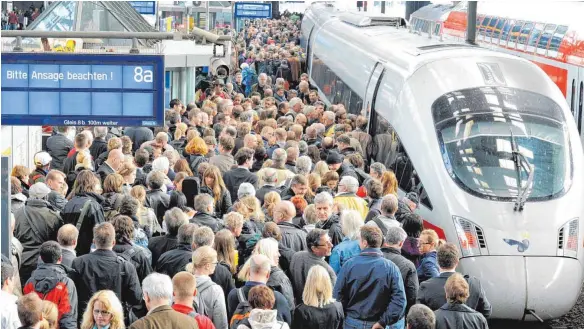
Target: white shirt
8, 312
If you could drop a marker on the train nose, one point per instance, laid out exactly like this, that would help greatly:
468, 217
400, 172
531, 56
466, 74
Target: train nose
549, 286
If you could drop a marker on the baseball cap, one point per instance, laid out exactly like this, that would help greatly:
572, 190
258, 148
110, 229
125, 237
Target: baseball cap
42, 159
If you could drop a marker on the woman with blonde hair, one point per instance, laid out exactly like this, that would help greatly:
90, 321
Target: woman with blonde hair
196, 150
146, 216
314, 182
321, 168
224, 244
128, 172
271, 199
278, 280
50, 314
212, 184
104, 310
318, 309
389, 182
249, 206
427, 243
22, 173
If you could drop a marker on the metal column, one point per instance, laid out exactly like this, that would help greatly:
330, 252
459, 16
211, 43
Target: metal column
471, 24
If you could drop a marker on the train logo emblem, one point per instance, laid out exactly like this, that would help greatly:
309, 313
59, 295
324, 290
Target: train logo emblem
521, 245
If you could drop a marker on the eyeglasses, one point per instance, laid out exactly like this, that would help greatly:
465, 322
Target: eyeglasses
422, 243
103, 313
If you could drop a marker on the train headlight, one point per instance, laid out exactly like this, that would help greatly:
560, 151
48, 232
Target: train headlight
568, 238
470, 236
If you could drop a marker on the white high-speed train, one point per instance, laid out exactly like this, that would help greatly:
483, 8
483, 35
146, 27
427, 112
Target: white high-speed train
485, 138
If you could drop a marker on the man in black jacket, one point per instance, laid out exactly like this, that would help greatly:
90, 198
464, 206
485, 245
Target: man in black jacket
270, 178
175, 260
335, 162
234, 177
432, 292
59, 146
35, 223
99, 144
155, 198
174, 219
67, 238
394, 240
82, 143
323, 203
56, 182
103, 269
138, 135
205, 206
293, 236
114, 160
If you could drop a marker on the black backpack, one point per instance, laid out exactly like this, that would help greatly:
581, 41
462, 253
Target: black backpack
242, 311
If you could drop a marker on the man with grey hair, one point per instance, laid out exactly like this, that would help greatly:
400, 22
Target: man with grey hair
38, 212
259, 273
156, 197
270, 177
347, 196
296, 105
328, 119
99, 144
303, 165
174, 219
205, 207
391, 248
246, 116
261, 86
386, 219
279, 157
158, 296
420, 317
327, 220
293, 236
298, 187
376, 170
175, 260
245, 189
102, 269
291, 157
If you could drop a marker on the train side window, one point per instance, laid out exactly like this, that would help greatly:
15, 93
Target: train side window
546, 36
498, 28
534, 37
525, 32
437, 29
491, 26
558, 37
515, 31
484, 25
506, 28
573, 98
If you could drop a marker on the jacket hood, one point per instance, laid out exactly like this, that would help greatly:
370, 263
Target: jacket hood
19, 197
46, 277
97, 197
262, 319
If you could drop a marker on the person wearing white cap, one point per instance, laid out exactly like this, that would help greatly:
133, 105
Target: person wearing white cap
42, 162
36, 223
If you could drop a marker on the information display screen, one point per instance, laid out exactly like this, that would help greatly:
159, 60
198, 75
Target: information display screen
144, 7
82, 89
253, 10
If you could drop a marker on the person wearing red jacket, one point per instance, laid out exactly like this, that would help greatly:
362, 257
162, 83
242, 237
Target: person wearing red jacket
50, 282
184, 286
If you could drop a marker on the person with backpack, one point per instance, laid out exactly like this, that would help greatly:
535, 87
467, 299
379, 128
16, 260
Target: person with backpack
238, 301
139, 256
50, 282
184, 289
387, 217
262, 316
210, 300
175, 260
103, 269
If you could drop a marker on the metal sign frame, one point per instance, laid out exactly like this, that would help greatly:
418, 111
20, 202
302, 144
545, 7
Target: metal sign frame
113, 60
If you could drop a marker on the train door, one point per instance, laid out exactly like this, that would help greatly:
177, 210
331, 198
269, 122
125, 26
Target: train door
371, 91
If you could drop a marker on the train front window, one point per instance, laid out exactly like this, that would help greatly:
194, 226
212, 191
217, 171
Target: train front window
489, 138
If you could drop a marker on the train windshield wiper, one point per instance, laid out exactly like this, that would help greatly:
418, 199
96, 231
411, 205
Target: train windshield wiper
520, 162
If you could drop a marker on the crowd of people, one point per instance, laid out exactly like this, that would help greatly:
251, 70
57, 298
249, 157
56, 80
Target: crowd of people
256, 206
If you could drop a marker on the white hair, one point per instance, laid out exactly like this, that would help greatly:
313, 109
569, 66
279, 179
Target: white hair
269, 248
395, 235
161, 164
323, 197
294, 101
100, 132
351, 222
157, 286
304, 165
350, 183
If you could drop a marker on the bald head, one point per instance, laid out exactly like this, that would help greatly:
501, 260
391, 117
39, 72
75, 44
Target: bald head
67, 236
270, 176
115, 159
284, 212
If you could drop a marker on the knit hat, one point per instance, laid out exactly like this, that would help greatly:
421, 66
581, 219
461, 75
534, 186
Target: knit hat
39, 191
245, 189
334, 158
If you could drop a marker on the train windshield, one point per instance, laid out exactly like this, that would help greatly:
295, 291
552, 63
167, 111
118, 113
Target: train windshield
499, 142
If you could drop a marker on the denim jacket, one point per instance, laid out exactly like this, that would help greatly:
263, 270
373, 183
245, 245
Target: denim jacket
342, 252
428, 267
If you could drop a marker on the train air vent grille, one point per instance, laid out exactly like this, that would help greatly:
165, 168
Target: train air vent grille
481, 237
561, 239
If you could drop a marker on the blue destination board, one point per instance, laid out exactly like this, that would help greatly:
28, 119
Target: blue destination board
144, 7
253, 10
82, 89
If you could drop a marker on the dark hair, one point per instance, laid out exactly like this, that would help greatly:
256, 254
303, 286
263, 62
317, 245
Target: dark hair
324, 189
177, 199
124, 227
313, 238
260, 153
272, 230
7, 272
372, 235
174, 102
104, 235
374, 189
421, 316
50, 252
129, 206
447, 256
243, 154
313, 153
261, 297
413, 225
141, 157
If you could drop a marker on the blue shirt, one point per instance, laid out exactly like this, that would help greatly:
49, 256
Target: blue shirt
370, 288
342, 252
428, 267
